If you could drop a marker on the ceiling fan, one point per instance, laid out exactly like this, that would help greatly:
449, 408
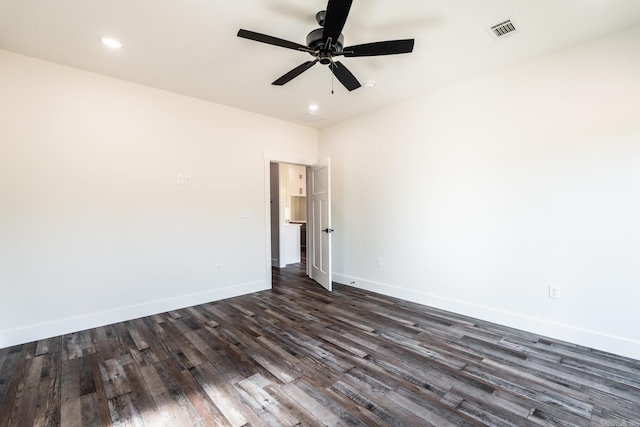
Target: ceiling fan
326, 43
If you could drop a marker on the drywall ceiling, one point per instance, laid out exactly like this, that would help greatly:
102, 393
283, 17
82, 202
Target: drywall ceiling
190, 46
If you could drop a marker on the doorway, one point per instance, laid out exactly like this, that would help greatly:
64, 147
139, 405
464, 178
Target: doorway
288, 213
316, 189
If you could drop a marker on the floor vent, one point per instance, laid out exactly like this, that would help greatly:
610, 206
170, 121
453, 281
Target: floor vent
311, 117
503, 29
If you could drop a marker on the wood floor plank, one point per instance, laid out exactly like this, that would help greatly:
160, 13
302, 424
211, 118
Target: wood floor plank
9, 373
375, 401
169, 410
545, 398
103, 344
40, 418
221, 394
140, 396
114, 379
263, 407
101, 395
228, 359
255, 388
24, 404
209, 412
71, 405
90, 410
302, 416
171, 381
153, 336
312, 400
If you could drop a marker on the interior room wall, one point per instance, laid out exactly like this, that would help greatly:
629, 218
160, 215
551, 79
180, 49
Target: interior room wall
94, 226
285, 213
477, 197
275, 213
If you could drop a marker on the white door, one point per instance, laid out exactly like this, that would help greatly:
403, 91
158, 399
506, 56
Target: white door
319, 218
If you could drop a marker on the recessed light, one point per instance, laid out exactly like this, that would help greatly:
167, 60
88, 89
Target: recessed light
313, 107
113, 43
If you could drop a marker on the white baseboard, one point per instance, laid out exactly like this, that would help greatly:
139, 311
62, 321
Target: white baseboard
40, 331
613, 344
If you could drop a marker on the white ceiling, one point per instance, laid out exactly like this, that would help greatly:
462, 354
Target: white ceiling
190, 46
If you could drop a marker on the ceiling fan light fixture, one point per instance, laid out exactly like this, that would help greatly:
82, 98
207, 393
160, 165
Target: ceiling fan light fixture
111, 42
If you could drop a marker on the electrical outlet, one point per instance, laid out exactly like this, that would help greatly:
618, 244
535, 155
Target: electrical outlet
187, 179
554, 292
218, 268
180, 179
379, 263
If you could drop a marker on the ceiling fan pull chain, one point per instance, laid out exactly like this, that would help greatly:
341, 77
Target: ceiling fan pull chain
332, 79
332, 76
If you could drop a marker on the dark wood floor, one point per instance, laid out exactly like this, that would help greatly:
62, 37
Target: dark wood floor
298, 355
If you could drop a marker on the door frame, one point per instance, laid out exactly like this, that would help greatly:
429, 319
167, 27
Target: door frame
273, 157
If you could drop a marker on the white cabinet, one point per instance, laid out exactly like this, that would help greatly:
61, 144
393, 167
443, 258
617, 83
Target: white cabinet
297, 181
291, 243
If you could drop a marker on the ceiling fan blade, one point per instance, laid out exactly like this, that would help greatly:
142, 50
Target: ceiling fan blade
345, 77
391, 47
294, 73
263, 38
335, 18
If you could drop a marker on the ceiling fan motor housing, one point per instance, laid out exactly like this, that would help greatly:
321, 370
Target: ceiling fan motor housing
316, 43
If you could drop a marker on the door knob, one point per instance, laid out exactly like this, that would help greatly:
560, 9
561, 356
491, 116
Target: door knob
328, 230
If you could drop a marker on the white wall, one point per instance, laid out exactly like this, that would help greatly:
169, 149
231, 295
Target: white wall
275, 213
94, 228
478, 197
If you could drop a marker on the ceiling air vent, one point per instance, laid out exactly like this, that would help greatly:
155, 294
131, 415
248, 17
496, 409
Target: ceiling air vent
503, 29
